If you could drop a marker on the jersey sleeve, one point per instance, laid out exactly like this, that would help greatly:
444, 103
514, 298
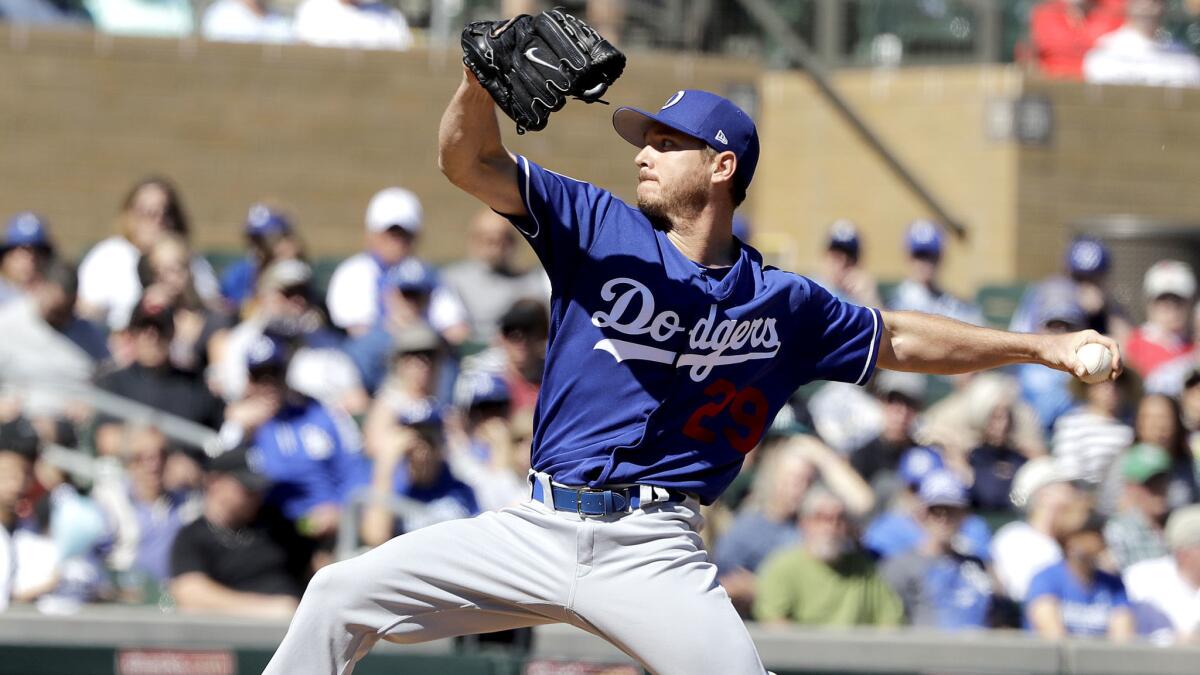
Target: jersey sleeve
563, 218
841, 338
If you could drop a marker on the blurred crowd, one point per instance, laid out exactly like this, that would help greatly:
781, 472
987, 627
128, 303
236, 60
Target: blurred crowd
350, 24
1113, 42
335, 415
281, 415
1148, 42
1019, 498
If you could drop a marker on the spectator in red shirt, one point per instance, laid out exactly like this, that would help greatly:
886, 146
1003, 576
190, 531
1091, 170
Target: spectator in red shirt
1062, 32
1169, 286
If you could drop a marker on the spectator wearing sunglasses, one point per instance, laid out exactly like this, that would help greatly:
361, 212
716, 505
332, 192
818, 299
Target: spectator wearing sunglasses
284, 306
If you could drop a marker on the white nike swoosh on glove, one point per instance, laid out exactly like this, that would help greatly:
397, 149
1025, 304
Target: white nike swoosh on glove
529, 54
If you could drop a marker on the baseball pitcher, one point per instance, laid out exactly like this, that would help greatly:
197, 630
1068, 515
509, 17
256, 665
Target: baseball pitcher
671, 348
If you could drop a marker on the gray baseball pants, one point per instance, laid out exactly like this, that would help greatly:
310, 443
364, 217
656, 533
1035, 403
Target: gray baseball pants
641, 580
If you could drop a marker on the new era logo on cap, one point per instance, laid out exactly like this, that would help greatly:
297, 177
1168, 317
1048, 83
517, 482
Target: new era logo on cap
721, 137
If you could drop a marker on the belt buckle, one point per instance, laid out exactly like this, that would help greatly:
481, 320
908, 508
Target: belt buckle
579, 492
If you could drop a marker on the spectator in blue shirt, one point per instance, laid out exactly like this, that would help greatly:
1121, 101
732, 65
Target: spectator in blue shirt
269, 237
413, 467
1086, 270
1049, 392
940, 586
144, 515
311, 454
24, 253
898, 530
1074, 597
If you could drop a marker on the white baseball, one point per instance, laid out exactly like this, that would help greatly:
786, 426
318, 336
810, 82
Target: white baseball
1098, 361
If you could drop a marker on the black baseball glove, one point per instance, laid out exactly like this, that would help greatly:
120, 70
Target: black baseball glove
531, 64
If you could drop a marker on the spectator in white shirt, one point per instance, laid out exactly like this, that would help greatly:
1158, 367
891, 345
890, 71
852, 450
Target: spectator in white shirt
245, 21
283, 307
1166, 591
355, 297
489, 281
1140, 53
109, 287
354, 24
1086, 440
1023, 548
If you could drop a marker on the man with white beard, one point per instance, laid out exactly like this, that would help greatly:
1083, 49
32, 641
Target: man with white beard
827, 580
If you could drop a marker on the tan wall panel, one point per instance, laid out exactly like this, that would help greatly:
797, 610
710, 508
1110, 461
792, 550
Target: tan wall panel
816, 169
82, 116
1127, 150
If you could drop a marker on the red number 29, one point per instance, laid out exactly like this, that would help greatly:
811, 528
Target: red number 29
747, 407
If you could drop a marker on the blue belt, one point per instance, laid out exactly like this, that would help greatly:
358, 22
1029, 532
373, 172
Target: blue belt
593, 502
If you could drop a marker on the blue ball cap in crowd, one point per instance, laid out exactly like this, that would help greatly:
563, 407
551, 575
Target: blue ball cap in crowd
262, 221
1057, 302
26, 229
843, 236
266, 351
1087, 256
713, 119
420, 414
477, 388
918, 462
924, 237
411, 276
943, 488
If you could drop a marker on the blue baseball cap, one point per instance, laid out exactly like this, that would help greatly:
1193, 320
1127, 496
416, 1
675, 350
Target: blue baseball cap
924, 237
478, 388
411, 276
942, 488
27, 229
843, 236
1057, 302
420, 414
1087, 256
917, 463
266, 351
262, 221
713, 119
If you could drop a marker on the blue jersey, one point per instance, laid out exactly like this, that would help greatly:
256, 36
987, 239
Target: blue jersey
660, 371
311, 458
1085, 609
238, 281
895, 532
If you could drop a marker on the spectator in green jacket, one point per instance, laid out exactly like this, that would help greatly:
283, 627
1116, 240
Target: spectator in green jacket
826, 580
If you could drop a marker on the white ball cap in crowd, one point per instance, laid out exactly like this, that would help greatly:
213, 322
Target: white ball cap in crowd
1034, 475
1183, 527
394, 207
1169, 277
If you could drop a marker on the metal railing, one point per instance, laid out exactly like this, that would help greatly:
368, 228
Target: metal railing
175, 428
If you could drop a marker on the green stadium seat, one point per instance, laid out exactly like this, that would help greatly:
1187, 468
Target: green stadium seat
999, 302
220, 259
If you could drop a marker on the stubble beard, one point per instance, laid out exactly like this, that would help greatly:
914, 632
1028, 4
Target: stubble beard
676, 206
